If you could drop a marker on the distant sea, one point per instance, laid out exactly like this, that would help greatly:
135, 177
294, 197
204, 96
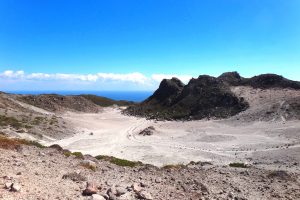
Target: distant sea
136, 96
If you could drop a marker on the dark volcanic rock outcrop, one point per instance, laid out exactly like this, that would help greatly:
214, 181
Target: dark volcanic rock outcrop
266, 81
263, 81
168, 90
204, 97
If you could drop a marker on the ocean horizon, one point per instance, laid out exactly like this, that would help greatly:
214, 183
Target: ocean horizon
136, 96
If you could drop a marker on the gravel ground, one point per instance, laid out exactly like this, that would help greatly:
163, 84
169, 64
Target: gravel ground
40, 174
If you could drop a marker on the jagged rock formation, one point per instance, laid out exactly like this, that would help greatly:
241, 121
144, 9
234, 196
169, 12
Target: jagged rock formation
208, 97
204, 97
263, 81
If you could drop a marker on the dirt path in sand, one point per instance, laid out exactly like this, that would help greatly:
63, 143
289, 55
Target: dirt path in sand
111, 133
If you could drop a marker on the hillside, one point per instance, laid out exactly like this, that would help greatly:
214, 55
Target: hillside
104, 102
20, 119
59, 103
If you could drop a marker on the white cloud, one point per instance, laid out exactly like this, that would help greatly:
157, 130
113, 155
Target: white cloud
135, 77
12, 74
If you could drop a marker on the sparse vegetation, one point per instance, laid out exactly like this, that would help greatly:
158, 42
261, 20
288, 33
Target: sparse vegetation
10, 121
77, 155
13, 143
37, 120
118, 161
67, 153
239, 165
105, 102
178, 166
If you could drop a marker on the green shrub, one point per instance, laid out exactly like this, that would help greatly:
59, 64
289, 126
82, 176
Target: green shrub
67, 153
118, 161
239, 165
78, 155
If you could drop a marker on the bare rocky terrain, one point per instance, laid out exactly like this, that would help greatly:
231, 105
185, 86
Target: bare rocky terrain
254, 153
49, 174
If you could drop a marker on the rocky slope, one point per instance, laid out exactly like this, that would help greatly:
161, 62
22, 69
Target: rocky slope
40, 116
59, 103
31, 173
210, 97
24, 120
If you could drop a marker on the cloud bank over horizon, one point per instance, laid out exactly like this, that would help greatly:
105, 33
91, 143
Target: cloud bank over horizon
20, 80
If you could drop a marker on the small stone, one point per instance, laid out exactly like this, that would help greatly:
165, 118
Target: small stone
8, 185
15, 187
90, 189
136, 187
145, 195
97, 197
120, 191
41, 154
157, 180
19, 173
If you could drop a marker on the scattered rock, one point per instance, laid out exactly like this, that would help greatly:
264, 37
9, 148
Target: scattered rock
158, 180
147, 131
120, 191
76, 177
136, 187
90, 189
89, 164
144, 195
41, 154
97, 197
16, 187
8, 185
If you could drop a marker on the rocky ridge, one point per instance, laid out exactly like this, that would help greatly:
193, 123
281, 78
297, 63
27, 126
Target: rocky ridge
208, 97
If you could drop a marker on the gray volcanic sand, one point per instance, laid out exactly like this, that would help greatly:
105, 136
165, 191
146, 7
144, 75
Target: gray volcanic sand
173, 142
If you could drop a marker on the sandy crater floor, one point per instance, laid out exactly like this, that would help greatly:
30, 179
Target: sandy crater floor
220, 142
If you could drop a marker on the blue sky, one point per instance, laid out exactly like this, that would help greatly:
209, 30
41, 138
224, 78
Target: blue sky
133, 44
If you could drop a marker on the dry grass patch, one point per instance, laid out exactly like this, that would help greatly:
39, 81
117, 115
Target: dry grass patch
88, 166
13, 143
